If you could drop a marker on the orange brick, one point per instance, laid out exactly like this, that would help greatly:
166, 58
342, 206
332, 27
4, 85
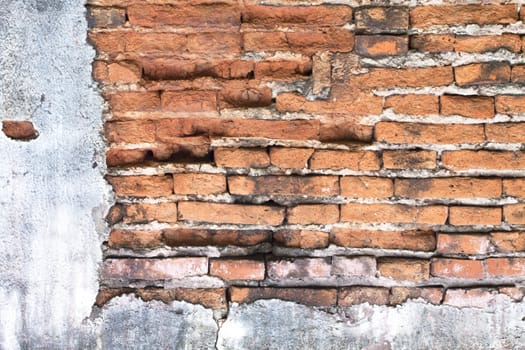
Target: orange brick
189, 101
313, 214
510, 104
408, 240
199, 183
283, 69
303, 239
426, 16
208, 297
381, 19
133, 239
231, 213
506, 267
381, 45
408, 77
468, 106
284, 185
300, 268
139, 213
134, 101
505, 132
432, 42
464, 160
154, 269
460, 216
514, 214
486, 43
514, 187
245, 96
508, 242
409, 159
19, 130
366, 187
356, 212
399, 295
518, 73
242, 157
416, 270
307, 296
336, 15
290, 158
123, 72
344, 130
178, 69
482, 73
142, 186
133, 131
463, 243
448, 188
457, 268
356, 160
107, 41
212, 237
413, 104
358, 295
393, 132
237, 269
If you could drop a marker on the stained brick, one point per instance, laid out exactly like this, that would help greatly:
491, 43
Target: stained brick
381, 45
154, 269
142, 186
237, 269
413, 104
426, 16
396, 213
177, 237
508, 241
497, 160
134, 239
307, 296
139, 213
393, 132
361, 294
404, 269
381, 19
514, 214
463, 243
409, 159
284, 185
460, 216
304, 239
230, 213
510, 104
482, 73
301, 268
468, 106
335, 15
448, 188
408, 240
505, 267
353, 266
457, 268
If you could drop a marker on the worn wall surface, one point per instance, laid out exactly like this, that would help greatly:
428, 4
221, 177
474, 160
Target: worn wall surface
285, 174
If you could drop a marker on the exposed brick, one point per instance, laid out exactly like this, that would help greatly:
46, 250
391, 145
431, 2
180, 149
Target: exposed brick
283, 69
409, 159
366, 187
123, 72
142, 186
353, 266
505, 267
381, 19
505, 132
457, 268
134, 101
237, 269
215, 237
518, 73
381, 45
133, 239
432, 42
399, 295
404, 269
189, 101
154, 269
307, 296
514, 214
134, 131
463, 160
393, 132
407, 77
19, 130
508, 242
294, 158
231, 213
343, 130
313, 214
284, 185
448, 188
398, 213
301, 268
125, 156
199, 183
336, 15
242, 157
467, 106
482, 73
245, 96
486, 43
303, 239
460, 216
426, 16
107, 41
413, 104
510, 104
361, 294
515, 293
140, 213
356, 160
463, 243
208, 297
105, 17
409, 240
514, 187
178, 69
478, 297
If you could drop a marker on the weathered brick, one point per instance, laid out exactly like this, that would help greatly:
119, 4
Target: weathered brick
482, 73
381, 45
457, 268
510, 104
514, 214
134, 101
132, 131
107, 41
336, 15
448, 188
374, 20
123, 72
460, 216
413, 104
404, 269
237, 269
208, 297
408, 240
290, 158
432, 42
497, 160
467, 106
307, 296
241, 157
284, 185
407, 77
426, 16
393, 132
358, 295
356, 160
105, 17
485, 43
230, 213
366, 187
508, 242
313, 214
199, 183
283, 69
514, 187
189, 101
301, 268
142, 186
304, 239
179, 69
505, 267
409, 159
19, 130
353, 266
396, 213
344, 130
518, 74
505, 132
215, 237
478, 297
154, 269
140, 213
463, 243
399, 295
245, 96
134, 239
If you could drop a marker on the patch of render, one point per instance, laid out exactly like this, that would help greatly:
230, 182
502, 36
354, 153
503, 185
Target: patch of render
53, 195
274, 324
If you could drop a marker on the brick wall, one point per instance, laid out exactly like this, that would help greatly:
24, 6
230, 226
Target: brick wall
327, 154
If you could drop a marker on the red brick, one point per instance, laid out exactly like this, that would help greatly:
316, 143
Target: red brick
134, 101
358, 295
396, 213
384, 19
140, 213
514, 187
518, 74
408, 240
344, 130
198, 183
237, 269
353, 266
381, 45
123, 72
336, 15
469, 160
178, 69
301, 268
457, 268
125, 156
460, 216
303, 239
154, 269
508, 242
409, 159
514, 214
133, 131
222, 213
177, 237
356, 160
399, 295
482, 73
283, 69
486, 43
208, 297
415, 270
448, 188
133, 239
142, 186
426, 16
290, 158
463, 243
413, 104
393, 132
432, 42
19, 130
107, 41
407, 77
366, 187
313, 214
506, 267
510, 104
307, 296
242, 157
284, 185
468, 106
505, 132
189, 101
245, 96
